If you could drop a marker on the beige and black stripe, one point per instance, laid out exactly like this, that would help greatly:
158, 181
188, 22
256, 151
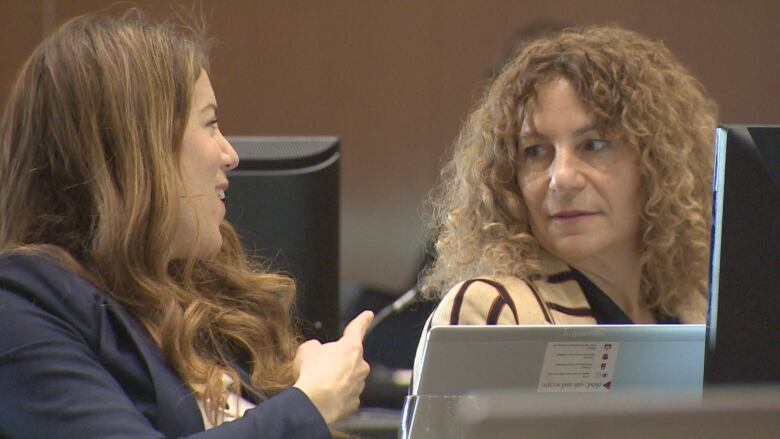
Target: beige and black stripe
567, 279
503, 299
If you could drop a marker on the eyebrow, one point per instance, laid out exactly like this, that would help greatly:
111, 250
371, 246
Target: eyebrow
580, 131
209, 106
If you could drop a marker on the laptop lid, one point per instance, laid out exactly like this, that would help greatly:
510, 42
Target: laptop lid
562, 359
743, 339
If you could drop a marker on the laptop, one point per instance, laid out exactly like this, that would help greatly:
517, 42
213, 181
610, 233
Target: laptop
562, 359
550, 362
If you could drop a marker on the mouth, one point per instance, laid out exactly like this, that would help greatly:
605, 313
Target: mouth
220, 194
566, 215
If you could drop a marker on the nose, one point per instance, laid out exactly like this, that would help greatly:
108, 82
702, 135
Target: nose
566, 171
229, 156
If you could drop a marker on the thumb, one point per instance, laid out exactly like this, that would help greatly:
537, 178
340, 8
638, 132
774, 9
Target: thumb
356, 329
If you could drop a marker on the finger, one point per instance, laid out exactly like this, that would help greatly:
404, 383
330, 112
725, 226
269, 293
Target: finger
356, 329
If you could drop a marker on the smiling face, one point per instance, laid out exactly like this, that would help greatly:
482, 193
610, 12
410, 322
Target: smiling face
205, 157
582, 192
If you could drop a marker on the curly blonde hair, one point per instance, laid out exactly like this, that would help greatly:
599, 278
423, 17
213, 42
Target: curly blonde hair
89, 152
639, 95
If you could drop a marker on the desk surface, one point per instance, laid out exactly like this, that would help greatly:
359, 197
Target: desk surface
722, 413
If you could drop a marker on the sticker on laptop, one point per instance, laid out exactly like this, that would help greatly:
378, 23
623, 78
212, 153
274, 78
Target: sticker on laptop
580, 366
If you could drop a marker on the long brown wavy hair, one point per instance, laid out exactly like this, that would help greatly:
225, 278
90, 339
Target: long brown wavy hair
89, 156
640, 96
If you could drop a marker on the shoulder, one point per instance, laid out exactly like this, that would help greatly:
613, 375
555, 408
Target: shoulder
55, 320
490, 300
556, 298
42, 279
30, 268
35, 289
694, 311
41, 288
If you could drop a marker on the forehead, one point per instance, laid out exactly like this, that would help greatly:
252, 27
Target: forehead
203, 93
554, 105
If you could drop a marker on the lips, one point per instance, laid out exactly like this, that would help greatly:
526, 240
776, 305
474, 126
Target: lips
220, 190
565, 215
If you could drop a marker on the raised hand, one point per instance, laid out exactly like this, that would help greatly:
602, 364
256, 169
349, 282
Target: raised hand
333, 374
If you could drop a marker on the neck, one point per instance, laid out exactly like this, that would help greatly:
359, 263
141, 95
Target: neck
620, 279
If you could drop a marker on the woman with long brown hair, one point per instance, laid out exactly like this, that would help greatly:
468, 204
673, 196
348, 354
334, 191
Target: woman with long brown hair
128, 307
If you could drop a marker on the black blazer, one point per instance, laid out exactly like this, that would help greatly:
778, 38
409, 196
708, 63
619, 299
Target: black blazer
75, 364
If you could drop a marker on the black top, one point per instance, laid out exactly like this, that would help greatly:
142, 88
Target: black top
604, 309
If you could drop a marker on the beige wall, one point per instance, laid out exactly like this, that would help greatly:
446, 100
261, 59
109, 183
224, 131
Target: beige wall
394, 80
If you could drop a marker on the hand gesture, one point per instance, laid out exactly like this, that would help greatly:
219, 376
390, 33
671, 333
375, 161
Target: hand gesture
333, 374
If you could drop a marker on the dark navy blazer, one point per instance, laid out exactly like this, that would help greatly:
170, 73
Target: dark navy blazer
75, 364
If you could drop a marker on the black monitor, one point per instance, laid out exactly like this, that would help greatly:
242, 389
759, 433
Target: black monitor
284, 202
743, 332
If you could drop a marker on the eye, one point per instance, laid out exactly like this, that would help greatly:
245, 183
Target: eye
533, 152
535, 158
594, 145
213, 123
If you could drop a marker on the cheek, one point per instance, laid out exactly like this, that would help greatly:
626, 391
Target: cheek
532, 191
630, 193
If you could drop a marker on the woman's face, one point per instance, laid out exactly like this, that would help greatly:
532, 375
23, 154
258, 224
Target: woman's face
205, 158
581, 190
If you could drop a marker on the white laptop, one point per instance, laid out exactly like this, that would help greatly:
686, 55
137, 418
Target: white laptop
548, 362
562, 359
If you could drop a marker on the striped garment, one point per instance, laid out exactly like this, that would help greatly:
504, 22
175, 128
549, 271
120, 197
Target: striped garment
554, 299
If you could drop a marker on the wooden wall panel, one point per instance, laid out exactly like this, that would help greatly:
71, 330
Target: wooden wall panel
395, 79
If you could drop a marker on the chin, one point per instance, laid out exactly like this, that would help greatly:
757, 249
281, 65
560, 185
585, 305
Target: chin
571, 250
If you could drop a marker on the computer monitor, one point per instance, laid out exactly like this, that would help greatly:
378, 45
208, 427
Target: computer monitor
743, 338
284, 202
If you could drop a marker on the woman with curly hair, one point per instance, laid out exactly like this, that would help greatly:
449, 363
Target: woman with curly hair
128, 308
579, 190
